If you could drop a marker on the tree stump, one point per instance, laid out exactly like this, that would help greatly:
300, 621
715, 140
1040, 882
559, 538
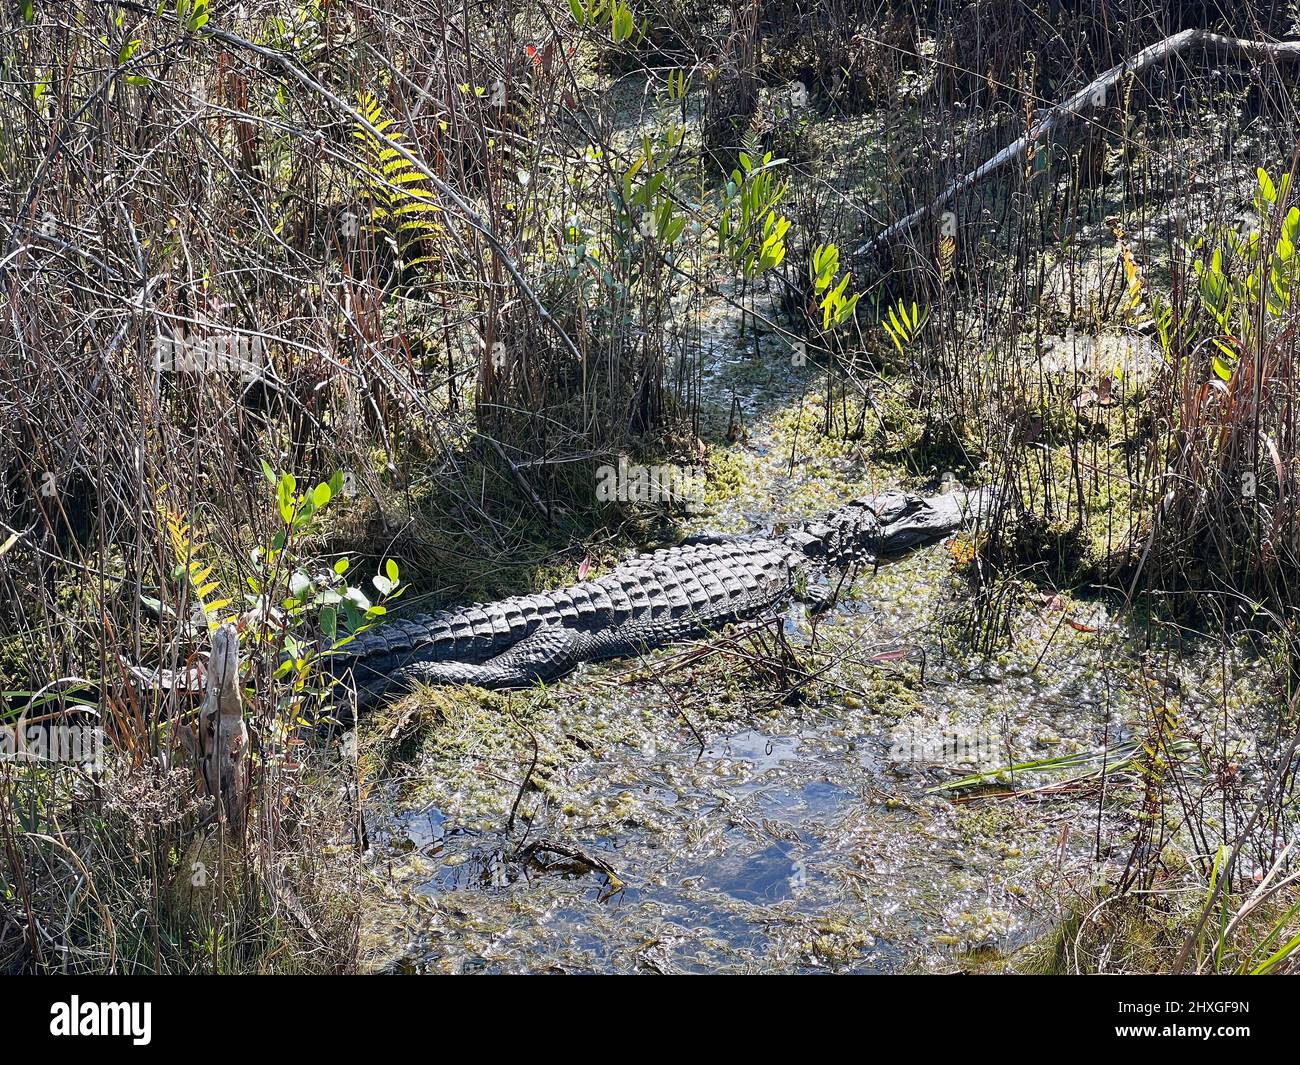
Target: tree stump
223, 735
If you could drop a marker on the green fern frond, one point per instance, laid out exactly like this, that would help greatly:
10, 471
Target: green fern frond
403, 207
188, 547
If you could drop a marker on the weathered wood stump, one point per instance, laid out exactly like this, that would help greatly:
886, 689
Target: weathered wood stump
223, 736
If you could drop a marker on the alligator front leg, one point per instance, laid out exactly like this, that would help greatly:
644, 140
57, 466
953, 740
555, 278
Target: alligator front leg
819, 598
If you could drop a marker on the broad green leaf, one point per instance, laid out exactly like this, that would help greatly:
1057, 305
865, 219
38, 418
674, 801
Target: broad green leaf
285, 496
1266, 188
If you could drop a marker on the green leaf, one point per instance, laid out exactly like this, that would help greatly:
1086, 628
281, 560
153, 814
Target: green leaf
1266, 187
390, 568
899, 327
357, 598
894, 337
284, 491
1214, 289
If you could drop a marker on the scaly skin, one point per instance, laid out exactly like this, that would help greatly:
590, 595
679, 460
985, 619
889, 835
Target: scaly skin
649, 601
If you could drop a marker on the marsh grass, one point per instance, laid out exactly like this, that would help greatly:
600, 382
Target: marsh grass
468, 332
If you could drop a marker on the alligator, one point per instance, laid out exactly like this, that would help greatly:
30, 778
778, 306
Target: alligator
649, 601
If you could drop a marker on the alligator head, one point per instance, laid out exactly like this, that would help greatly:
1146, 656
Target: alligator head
873, 527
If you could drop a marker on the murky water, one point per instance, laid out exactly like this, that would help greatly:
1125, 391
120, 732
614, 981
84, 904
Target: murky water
690, 812
680, 815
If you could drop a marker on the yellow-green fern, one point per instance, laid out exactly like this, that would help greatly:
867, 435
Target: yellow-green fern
903, 327
190, 567
402, 205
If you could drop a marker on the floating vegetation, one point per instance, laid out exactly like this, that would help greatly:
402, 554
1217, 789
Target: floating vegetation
319, 316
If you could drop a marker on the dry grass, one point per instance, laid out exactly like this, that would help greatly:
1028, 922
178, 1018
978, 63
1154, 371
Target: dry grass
424, 239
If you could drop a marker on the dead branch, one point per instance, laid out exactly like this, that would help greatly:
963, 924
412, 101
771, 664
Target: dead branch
1091, 97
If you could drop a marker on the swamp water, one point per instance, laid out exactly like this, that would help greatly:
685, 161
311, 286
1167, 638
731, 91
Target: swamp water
682, 814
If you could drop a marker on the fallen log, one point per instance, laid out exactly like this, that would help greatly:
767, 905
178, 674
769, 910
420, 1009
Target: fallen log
1091, 97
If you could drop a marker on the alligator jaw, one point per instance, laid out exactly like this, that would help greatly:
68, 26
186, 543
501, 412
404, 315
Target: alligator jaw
873, 527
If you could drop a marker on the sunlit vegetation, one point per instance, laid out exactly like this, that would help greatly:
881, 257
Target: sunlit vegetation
315, 313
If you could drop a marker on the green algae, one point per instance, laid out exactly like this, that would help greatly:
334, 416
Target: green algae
792, 839
709, 821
